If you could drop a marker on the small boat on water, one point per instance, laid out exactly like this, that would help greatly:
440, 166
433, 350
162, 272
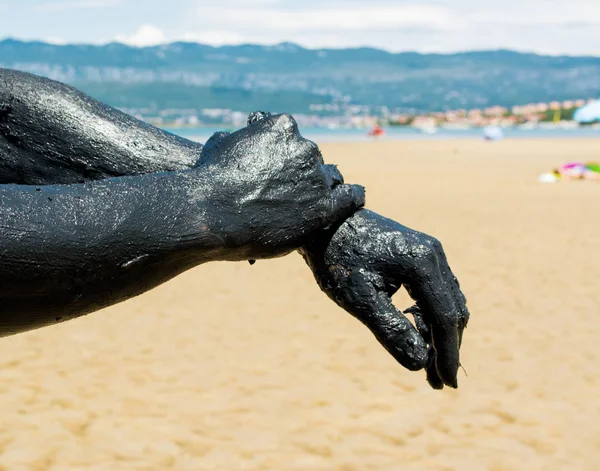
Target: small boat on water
492, 133
376, 131
426, 129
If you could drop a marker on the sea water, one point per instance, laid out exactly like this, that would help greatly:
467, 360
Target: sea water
201, 134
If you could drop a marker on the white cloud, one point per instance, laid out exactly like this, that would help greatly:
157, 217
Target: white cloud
535, 12
545, 26
150, 35
56, 40
214, 38
146, 35
357, 18
69, 5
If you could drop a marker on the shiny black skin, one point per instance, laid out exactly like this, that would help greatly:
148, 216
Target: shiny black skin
68, 249
97, 206
52, 133
364, 261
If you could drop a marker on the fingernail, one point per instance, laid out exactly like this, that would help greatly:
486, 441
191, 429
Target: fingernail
434, 383
359, 194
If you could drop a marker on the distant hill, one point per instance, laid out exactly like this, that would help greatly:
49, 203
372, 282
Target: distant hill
288, 77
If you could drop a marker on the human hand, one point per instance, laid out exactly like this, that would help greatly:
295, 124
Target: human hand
366, 261
275, 188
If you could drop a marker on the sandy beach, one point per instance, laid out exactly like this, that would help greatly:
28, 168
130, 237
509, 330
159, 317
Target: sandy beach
237, 367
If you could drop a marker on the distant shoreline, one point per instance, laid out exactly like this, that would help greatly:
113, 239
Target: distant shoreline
201, 134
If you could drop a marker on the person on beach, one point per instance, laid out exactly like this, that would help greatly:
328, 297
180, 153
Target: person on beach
573, 171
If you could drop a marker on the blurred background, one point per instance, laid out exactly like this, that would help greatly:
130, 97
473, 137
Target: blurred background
434, 65
476, 122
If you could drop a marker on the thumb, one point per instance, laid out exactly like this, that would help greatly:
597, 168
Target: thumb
346, 200
391, 328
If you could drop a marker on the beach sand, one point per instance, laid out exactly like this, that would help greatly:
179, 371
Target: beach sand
237, 367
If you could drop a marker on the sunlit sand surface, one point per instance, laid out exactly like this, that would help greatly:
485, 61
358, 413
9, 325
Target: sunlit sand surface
237, 367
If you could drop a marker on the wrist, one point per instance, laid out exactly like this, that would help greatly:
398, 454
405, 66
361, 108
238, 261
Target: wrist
216, 214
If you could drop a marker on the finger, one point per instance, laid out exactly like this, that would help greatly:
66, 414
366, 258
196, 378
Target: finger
442, 318
463, 318
397, 335
334, 176
435, 299
257, 116
460, 301
210, 151
433, 378
391, 328
422, 326
346, 200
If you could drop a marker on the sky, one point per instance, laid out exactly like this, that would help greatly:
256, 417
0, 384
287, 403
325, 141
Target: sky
552, 27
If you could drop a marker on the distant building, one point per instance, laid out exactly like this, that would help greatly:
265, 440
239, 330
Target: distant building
555, 105
495, 111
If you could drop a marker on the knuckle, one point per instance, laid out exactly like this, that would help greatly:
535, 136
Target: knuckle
333, 173
435, 245
427, 251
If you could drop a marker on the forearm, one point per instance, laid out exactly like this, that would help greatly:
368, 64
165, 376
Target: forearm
70, 250
52, 133
56, 231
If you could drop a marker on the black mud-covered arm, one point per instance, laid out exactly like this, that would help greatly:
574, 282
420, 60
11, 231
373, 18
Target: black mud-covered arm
270, 193
258, 193
52, 133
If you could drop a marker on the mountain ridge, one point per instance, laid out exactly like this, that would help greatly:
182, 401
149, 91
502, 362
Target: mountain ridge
293, 77
283, 44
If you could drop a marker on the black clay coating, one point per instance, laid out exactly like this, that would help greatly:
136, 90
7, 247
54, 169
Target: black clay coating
52, 133
362, 263
70, 248
97, 207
